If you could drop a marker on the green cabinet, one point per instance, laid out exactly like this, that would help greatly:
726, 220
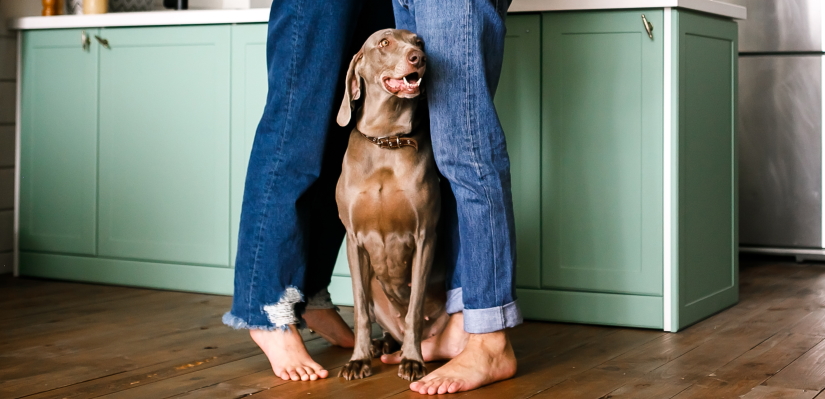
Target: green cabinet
164, 159
126, 155
638, 174
58, 169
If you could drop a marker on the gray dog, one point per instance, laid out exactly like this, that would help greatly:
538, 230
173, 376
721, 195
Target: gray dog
389, 201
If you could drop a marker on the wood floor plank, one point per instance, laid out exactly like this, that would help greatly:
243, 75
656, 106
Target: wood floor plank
29, 299
807, 372
738, 377
764, 392
813, 324
678, 375
332, 358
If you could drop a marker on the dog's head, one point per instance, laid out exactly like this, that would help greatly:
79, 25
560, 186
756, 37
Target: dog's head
392, 60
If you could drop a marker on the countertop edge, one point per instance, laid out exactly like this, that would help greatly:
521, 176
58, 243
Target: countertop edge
256, 15
708, 6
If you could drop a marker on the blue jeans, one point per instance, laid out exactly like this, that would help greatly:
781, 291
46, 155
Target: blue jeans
290, 232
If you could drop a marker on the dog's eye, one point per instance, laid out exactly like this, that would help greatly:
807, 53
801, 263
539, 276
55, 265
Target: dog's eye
384, 43
420, 43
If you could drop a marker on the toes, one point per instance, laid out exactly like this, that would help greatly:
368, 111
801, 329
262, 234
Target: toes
442, 388
454, 387
302, 373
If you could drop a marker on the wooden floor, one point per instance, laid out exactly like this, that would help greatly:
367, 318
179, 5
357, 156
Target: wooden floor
68, 340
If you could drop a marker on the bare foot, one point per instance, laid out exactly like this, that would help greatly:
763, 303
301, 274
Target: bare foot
487, 358
330, 326
445, 345
288, 355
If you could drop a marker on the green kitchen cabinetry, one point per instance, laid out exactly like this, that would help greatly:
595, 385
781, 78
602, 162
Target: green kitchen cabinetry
638, 170
621, 144
58, 169
125, 156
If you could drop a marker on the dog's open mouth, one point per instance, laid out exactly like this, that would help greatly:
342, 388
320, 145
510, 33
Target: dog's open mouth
408, 85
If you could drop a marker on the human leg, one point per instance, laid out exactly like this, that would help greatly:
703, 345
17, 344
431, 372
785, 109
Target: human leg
304, 38
464, 41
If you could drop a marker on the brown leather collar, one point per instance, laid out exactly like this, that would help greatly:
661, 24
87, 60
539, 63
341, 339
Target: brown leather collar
392, 142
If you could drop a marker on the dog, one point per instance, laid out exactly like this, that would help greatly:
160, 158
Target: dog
389, 201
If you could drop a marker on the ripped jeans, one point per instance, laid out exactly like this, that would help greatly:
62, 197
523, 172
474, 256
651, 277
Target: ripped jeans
290, 232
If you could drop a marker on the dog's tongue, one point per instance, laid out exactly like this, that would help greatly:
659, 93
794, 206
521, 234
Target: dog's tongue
403, 85
396, 84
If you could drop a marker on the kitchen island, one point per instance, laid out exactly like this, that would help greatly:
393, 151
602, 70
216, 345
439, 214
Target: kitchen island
135, 129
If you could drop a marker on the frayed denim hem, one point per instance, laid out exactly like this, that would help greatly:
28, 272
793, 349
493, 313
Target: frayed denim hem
239, 324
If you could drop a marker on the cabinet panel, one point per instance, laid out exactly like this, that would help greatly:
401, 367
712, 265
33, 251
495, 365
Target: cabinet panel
518, 103
602, 152
58, 209
707, 235
164, 144
249, 87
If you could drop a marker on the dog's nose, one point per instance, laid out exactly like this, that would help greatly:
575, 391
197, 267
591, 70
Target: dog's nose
416, 58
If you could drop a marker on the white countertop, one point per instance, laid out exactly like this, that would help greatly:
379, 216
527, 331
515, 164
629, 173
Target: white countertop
205, 17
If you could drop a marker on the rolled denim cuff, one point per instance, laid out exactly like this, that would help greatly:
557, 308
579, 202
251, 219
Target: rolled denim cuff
482, 321
455, 301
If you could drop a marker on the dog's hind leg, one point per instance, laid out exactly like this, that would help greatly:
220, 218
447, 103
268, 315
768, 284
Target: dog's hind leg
412, 363
359, 264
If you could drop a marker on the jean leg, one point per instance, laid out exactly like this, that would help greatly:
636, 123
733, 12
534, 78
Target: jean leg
464, 41
304, 38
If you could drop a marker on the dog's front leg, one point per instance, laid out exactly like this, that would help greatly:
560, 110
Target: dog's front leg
412, 363
359, 266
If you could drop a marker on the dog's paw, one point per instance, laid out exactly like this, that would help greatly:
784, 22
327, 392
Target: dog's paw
384, 346
356, 369
411, 370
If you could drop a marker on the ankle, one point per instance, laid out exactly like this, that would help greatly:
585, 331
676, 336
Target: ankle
496, 341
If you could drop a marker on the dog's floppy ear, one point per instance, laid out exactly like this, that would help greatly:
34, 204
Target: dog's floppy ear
352, 91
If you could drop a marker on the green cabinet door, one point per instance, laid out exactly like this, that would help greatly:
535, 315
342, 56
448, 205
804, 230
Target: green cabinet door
249, 87
165, 144
518, 104
58, 168
602, 153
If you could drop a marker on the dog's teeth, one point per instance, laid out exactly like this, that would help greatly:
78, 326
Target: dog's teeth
405, 81
419, 81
